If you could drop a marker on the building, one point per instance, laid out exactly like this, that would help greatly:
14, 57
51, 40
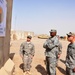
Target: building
18, 35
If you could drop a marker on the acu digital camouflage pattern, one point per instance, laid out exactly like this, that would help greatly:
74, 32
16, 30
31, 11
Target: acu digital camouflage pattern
28, 51
51, 53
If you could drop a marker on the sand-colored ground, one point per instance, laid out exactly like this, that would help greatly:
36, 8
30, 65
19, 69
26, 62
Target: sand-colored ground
38, 64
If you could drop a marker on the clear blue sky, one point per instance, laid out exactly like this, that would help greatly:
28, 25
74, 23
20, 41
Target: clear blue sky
40, 16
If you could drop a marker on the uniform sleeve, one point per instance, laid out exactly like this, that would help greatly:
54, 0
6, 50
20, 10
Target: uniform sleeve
70, 58
45, 44
33, 50
60, 48
53, 44
21, 48
73, 60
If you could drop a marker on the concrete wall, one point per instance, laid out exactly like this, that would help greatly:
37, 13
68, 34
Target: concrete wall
18, 35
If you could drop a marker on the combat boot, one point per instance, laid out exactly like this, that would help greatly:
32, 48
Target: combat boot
25, 73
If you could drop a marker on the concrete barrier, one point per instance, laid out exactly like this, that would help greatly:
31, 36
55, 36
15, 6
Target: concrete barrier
8, 68
3, 72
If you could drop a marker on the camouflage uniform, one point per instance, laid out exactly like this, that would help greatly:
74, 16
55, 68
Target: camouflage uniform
60, 51
27, 50
51, 53
70, 59
60, 48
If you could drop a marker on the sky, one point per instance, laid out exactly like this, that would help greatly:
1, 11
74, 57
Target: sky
40, 16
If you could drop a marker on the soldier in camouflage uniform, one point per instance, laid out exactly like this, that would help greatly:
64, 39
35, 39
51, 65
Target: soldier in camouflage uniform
70, 57
27, 52
51, 52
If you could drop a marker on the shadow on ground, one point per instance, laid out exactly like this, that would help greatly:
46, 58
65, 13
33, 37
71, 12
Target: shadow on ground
41, 69
61, 70
63, 61
11, 55
21, 66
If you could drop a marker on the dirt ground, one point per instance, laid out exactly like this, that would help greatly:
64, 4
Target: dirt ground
38, 63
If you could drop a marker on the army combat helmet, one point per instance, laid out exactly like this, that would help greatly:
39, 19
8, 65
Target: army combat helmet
29, 36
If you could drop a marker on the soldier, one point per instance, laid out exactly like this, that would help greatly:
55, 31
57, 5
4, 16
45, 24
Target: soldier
70, 57
51, 52
27, 52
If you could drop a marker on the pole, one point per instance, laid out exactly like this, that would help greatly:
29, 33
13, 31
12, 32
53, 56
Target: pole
5, 41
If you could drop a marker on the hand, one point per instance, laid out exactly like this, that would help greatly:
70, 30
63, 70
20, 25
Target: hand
74, 70
58, 55
31, 56
21, 55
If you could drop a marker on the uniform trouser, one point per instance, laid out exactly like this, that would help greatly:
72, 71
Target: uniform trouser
27, 62
69, 71
51, 67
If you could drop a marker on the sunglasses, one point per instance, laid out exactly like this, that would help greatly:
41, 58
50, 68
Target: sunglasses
68, 36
